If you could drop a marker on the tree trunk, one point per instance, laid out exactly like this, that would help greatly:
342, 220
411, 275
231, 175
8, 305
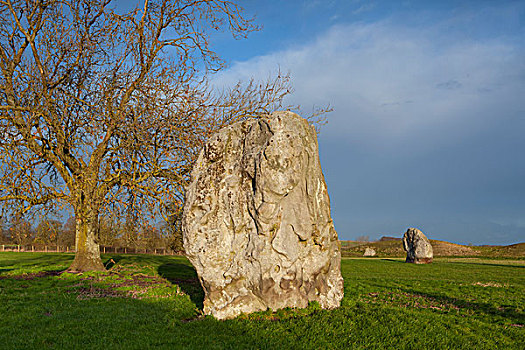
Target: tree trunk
87, 257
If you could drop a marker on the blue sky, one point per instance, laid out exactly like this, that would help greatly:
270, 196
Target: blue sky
428, 129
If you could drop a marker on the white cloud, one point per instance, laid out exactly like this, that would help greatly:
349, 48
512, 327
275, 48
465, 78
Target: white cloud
364, 8
427, 128
388, 81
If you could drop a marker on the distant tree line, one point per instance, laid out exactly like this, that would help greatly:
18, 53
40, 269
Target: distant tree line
363, 238
115, 232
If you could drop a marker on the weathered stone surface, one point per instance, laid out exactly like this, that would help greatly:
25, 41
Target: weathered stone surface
257, 225
369, 252
417, 246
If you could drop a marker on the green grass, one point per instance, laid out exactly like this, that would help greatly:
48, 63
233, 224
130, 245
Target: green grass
147, 301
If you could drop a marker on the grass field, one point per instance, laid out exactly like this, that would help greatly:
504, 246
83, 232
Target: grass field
147, 301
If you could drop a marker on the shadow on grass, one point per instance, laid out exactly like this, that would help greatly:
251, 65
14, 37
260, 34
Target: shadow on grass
34, 275
109, 263
393, 260
477, 307
498, 265
68, 319
186, 278
28, 260
176, 269
5, 270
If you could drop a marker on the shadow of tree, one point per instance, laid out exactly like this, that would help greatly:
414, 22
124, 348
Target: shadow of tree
69, 320
111, 262
393, 260
186, 278
480, 308
505, 311
497, 265
24, 260
34, 275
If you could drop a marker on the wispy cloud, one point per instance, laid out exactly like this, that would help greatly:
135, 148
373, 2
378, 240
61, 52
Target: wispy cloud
450, 85
360, 69
364, 8
425, 126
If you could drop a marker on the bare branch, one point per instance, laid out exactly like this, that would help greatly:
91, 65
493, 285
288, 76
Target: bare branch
107, 111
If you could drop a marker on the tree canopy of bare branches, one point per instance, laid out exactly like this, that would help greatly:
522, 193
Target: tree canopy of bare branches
104, 110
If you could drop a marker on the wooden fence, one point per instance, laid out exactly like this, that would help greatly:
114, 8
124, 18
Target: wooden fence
66, 249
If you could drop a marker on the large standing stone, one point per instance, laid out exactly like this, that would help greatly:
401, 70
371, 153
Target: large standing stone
369, 252
417, 246
257, 223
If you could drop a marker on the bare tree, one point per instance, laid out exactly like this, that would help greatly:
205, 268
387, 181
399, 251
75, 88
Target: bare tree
151, 238
108, 229
67, 233
363, 238
173, 228
4, 230
20, 231
48, 232
103, 111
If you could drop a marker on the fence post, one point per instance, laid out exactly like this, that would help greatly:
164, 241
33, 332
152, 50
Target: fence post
18, 248
45, 249
125, 250
3, 248
104, 249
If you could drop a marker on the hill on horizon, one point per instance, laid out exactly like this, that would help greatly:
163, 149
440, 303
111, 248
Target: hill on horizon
393, 247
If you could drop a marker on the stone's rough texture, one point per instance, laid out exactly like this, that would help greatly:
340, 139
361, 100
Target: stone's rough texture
369, 252
417, 246
257, 224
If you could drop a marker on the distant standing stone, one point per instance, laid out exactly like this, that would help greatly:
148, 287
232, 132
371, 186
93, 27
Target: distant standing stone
369, 252
417, 246
257, 224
